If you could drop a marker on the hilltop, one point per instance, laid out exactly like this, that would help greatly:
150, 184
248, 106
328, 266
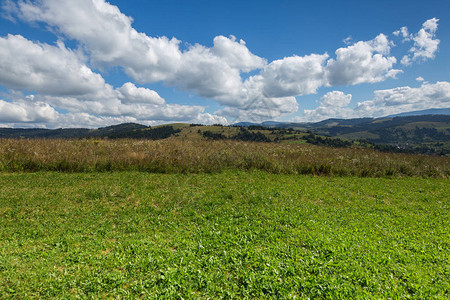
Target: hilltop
418, 134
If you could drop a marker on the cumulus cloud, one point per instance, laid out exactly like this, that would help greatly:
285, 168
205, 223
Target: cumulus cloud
44, 68
116, 107
63, 81
385, 102
106, 34
110, 40
40, 110
260, 109
402, 99
236, 54
336, 98
71, 120
129, 93
403, 32
63, 78
26, 112
425, 42
332, 105
364, 61
294, 76
206, 74
206, 118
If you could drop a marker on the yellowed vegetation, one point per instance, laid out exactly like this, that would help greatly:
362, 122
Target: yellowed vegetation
195, 156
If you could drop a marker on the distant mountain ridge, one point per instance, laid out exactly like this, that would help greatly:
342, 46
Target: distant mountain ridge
429, 131
431, 111
102, 132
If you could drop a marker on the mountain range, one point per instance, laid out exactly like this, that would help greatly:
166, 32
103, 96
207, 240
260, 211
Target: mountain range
412, 129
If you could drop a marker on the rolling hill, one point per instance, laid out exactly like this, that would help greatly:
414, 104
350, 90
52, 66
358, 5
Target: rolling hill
422, 133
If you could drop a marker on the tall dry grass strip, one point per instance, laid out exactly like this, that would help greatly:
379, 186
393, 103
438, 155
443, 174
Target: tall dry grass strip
171, 156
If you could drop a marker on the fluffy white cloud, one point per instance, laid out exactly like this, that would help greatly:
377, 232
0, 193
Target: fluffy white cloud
336, 98
44, 68
129, 93
206, 74
362, 62
206, 118
332, 105
110, 40
293, 76
62, 79
71, 120
107, 35
406, 98
26, 112
114, 107
425, 42
260, 109
236, 54
403, 32
385, 102
39, 110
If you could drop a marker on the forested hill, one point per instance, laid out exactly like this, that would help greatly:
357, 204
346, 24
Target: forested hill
126, 130
423, 134
410, 129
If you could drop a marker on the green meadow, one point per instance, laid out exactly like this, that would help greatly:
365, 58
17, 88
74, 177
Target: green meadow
230, 234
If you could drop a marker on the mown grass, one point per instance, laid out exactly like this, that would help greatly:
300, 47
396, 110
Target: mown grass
174, 156
226, 235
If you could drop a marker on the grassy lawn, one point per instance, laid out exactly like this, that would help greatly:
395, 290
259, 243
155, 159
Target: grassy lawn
224, 235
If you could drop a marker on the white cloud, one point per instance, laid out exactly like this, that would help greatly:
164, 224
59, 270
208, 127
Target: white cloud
420, 78
260, 109
62, 78
8, 10
114, 107
236, 54
425, 42
403, 99
348, 40
43, 68
362, 62
385, 102
129, 93
403, 32
208, 119
39, 110
26, 112
71, 120
332, 105
107, 36
92, 121
110, 40
206, 74
406, 60
336, 98
293, 76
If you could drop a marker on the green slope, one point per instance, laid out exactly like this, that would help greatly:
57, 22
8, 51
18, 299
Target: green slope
230, 235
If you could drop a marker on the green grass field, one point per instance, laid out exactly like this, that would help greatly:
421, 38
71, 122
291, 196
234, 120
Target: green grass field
230, 234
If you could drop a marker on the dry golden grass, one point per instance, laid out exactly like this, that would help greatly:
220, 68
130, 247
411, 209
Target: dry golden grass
175, 156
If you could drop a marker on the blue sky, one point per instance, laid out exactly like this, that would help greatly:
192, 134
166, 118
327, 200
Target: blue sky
90, 63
